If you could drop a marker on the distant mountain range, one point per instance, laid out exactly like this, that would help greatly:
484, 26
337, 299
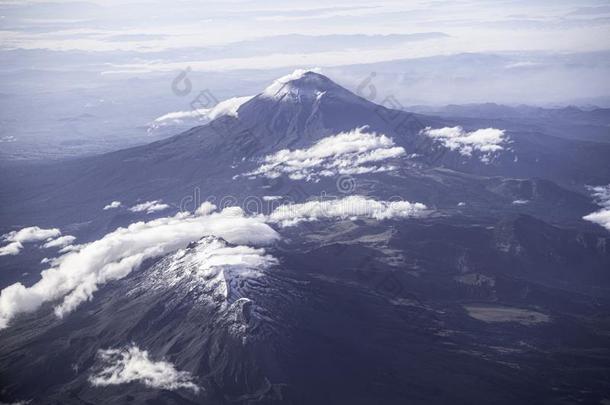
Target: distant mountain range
587, 124
492, 110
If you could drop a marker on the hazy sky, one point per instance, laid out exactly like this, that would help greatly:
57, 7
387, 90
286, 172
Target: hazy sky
220, 28
90, 76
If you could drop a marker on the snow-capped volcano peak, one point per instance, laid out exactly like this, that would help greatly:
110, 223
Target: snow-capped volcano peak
210, 268
302, 83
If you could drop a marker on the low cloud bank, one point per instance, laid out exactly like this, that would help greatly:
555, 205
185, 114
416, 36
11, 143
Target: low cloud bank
77, 275
348, 207
353, 152
130, 364
602, 197
484, 141
16, 239
11, 249
60, 242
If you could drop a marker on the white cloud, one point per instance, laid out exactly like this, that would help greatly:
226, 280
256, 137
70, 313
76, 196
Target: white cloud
114, 204
61, 242
16, 239
77, 275
601, 217
521, 202
602, 197
227, 107
72, 248
205, 208
348, 207
149, 206
31, 234
130, 364
272, 197
485, 141
353, 152
12, 249
7, 139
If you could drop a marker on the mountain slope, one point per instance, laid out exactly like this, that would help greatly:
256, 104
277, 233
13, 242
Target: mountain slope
407, 258
293, 113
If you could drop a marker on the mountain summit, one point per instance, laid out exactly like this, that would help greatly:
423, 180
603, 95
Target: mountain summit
306, 106
301, 85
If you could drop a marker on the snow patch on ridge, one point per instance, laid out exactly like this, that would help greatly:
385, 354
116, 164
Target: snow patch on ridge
280, 87
209, 267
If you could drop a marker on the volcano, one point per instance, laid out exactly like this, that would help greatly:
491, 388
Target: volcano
310, 246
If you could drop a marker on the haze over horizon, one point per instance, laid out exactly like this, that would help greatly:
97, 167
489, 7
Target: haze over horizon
139, 37
112, 63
